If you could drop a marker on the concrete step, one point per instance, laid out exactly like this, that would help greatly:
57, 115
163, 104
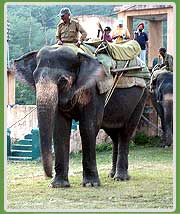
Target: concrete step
21, 153
21, 147
14, 158
28, 136
25, 142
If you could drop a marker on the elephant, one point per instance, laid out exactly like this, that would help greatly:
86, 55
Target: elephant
162, 100
66, 88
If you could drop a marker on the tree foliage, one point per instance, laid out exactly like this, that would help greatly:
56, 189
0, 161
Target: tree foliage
32, 27
24, 94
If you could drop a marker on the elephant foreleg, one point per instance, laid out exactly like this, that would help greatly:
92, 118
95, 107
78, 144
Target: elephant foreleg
88, 136
167, 122
61, 137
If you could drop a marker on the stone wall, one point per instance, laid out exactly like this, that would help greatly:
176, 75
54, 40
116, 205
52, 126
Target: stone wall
26, 121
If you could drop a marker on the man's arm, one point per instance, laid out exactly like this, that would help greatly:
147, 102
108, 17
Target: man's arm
83, 32
127, 34
135, 35
58, 36
169, 62
147, 44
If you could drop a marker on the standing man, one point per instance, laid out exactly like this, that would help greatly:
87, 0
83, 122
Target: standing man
120, 34
68, 29
142, 38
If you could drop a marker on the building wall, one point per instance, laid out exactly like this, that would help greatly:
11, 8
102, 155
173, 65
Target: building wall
154, 15
89, 23
155, 40
10, 87
24, 126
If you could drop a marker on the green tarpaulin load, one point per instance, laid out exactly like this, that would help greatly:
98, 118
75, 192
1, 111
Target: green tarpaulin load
111, 64
125, 51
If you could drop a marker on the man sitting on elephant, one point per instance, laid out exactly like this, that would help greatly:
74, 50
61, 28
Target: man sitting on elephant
68, 29
165, 66
167, 59
161, 88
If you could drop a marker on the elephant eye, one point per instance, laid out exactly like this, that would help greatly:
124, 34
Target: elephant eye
62, 80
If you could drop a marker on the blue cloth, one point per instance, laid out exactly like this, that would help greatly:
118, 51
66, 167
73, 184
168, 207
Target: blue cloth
141, 38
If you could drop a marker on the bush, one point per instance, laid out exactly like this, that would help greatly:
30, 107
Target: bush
141, 139
155, 140
103, 147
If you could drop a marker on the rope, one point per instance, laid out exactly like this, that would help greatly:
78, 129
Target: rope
97, 49
152, 124
22, 118
116, 79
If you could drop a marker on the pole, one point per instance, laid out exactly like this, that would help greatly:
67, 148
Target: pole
7, 42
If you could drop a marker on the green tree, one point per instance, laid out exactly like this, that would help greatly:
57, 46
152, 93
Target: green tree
24, 94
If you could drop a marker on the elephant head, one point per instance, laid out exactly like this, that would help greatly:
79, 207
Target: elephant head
61, 79
162, 99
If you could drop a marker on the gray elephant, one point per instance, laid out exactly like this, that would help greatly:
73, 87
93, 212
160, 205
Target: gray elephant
162, 99
66, 89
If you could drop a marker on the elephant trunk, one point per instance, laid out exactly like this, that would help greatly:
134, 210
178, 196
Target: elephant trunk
47, 100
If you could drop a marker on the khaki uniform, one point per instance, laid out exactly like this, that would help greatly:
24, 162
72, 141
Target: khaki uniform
168, 62
69, 32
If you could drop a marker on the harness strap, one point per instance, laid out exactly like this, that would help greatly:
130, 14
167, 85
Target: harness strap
116, 79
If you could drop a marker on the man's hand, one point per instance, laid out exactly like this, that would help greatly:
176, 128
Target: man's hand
147, 51
115, 37
78, 44
59, 42
162, 65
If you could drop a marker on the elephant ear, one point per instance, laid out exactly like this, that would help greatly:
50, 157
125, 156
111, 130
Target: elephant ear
90, 72
24, 67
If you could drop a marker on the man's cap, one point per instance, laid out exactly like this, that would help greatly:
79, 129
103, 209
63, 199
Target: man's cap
120, 21
107, 28
162, 50
141, 24
64, 11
